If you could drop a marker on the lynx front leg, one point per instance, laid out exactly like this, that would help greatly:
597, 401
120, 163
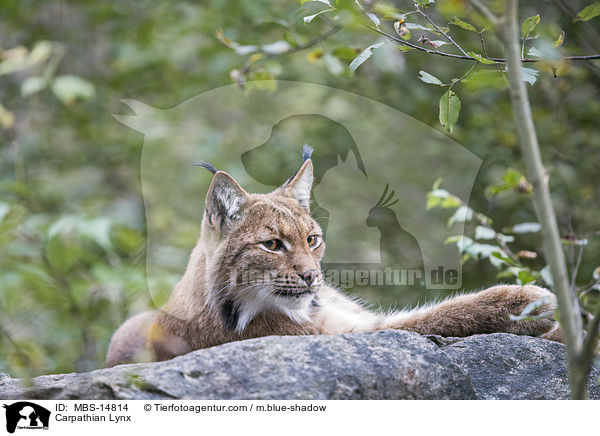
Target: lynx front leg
483, 312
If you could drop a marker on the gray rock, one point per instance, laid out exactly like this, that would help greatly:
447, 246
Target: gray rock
508, 367
387, 364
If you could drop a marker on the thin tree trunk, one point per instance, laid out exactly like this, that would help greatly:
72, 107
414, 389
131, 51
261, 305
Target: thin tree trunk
568, 305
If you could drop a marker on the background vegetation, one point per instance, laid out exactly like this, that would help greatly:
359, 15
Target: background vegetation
72, 222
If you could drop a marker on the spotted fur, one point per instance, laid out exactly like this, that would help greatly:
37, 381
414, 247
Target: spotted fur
236, 288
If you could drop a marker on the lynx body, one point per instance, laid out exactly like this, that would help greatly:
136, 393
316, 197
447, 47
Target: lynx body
255, 271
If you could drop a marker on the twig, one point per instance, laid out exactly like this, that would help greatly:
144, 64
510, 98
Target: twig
456, 56
482, 42
576, 269
454, 82
485, 11
588, 287
448, 37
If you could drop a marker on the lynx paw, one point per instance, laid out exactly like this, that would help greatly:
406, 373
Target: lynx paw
509, 300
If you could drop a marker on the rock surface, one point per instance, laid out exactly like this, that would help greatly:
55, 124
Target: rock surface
387, 364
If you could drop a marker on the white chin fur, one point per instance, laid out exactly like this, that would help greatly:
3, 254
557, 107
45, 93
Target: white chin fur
297, 309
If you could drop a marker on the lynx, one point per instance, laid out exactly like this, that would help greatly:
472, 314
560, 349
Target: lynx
255, 271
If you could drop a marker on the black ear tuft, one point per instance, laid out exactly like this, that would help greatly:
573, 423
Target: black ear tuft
206, 165
307, 152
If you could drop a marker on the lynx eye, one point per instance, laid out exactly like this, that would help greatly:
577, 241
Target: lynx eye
313, 241
272, 244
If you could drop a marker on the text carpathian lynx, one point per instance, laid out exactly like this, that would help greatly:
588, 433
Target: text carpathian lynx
255, 271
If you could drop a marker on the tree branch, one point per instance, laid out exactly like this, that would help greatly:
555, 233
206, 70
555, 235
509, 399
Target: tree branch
568, 306
246, 69
455, 56
589, 344
448, 37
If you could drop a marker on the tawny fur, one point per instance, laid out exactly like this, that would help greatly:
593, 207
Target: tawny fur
213, 304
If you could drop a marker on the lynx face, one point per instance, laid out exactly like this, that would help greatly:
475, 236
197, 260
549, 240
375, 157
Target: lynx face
266, 249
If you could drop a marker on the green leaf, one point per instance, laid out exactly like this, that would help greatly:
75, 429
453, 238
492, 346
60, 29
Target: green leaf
481, 251
424, 3
526, 277
334, 65
432, 202
4, 210
526, 228
462, 242
441, 197
482, 232
70, 88
505, 238
501, 255
485, 79
481, 59
366, 54
588, 12
125, 239
530, 75
451, 202
508, 273
440, 193
559, 41
277, 47
449, 110
462, 214
315, 54
529, 25
463, 24
546, 275
512, 177
428, 29
493, 190
387, 11
428, 78
374, 19
309, 18
98, 230
41, 52
345, 53
62, 249
452, 239
33, 85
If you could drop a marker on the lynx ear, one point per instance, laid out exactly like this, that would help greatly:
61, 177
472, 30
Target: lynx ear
224, 199
300, 184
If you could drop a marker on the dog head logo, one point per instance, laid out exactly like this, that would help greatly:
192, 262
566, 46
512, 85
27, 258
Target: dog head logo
26, 415
361, 147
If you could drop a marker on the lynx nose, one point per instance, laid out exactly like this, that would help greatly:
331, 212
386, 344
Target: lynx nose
309, 276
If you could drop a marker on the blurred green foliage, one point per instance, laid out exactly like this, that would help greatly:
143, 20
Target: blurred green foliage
72, 222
